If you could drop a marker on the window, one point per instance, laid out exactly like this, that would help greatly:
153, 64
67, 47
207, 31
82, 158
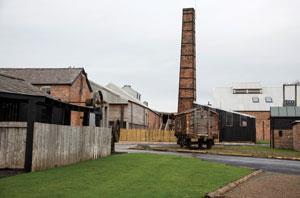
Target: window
255, 99
240, 91
280, 133
243, 121
247, 91
229, 119
46, 89
254, 91
268, 99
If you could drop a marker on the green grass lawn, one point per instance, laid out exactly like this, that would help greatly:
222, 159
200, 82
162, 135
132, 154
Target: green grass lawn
263, 142
125, 175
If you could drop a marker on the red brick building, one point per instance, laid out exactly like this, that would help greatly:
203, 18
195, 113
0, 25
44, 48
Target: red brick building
285, 127
70, 85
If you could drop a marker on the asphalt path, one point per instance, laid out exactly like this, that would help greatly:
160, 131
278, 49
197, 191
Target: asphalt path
265, 164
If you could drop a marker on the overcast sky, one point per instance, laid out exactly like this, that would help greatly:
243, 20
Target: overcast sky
138, 42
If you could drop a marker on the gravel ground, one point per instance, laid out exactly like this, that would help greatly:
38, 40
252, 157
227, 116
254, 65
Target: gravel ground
268, 184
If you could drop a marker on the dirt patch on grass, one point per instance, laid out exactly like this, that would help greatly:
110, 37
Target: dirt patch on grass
268, 184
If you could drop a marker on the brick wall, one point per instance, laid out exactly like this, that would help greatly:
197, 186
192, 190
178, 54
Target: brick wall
79, 92
153, 120
296, 136
284, 141
187, 75
262, 124
61, 92
76, 93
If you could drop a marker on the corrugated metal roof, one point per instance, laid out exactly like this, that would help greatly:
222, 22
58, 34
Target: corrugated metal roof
285, 111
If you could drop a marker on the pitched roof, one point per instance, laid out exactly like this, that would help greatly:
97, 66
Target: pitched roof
109, 95
127, 96
124, 94
9, 84
46, 76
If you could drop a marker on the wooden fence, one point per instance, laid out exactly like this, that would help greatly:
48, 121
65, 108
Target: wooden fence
12, 144
53, 145
58, 145
148, 135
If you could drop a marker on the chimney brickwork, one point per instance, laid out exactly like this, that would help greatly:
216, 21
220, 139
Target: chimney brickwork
187, 75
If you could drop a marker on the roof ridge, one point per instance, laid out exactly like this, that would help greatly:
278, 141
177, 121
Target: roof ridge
132, 99
12, 77
38, 68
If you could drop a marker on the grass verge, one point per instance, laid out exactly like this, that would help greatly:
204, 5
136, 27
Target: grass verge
253, 150
126, 175
257, 151
263, 142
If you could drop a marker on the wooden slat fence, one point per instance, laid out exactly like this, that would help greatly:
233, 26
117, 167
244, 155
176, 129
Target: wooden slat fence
57, 145
53, 145
12, 144
147, 135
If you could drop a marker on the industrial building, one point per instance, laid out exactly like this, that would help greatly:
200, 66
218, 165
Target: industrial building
285, 127
124, 104
69, 85
254, 99
20, 101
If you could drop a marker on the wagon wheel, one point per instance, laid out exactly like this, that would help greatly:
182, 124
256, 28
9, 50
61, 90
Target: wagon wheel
188, 143
209, 144
181, 143
200, 143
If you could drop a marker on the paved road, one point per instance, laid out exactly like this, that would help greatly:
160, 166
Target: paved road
272, 165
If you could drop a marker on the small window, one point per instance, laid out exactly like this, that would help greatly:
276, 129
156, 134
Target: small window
243, 121
240, 91
229, 119
255, 99
280, 133
254, 91
269, 99
46, 89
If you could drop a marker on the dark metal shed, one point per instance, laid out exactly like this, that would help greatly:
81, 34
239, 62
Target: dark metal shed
235, 126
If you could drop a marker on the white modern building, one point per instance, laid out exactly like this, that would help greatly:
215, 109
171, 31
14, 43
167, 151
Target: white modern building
254, 99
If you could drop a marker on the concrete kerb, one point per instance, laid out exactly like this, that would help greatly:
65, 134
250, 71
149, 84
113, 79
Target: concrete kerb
221, 191
217, 153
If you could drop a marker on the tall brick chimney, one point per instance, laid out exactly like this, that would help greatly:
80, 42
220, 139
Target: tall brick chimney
187, 75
